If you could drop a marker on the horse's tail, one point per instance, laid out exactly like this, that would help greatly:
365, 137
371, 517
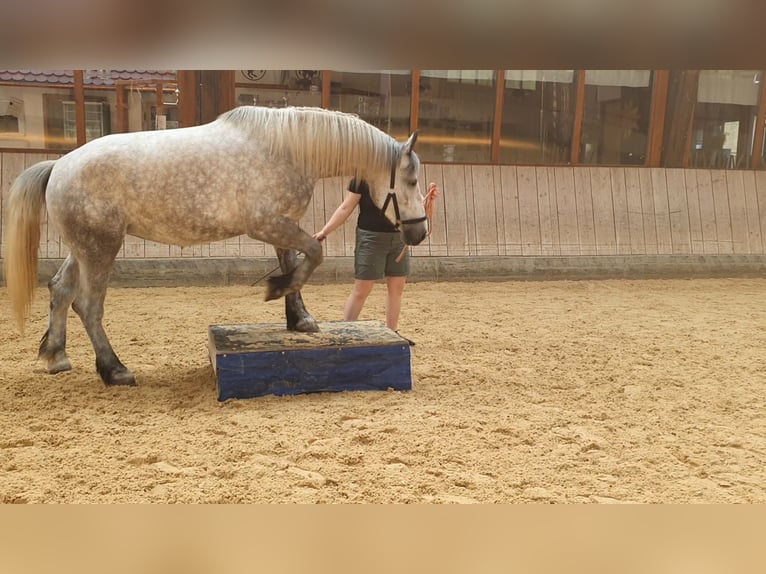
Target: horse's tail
22, 236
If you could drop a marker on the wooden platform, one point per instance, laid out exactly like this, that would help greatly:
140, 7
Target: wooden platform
252, 360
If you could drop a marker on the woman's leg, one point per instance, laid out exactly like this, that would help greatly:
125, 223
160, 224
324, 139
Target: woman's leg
394, 292
362, 288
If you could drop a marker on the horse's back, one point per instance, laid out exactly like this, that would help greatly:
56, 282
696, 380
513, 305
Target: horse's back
181, 186
144, 162
141, 149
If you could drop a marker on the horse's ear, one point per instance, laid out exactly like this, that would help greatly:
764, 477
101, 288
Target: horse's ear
411, 143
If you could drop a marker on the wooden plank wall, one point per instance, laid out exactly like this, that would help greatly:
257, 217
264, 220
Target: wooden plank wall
523, 210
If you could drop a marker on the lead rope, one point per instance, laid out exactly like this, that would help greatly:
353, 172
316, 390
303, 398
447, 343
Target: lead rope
428, 205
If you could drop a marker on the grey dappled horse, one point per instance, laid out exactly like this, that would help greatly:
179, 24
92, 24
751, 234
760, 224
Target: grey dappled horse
252, 171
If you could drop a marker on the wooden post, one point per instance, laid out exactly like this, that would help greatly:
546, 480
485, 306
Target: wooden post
188, 104
228, 98
757, 162
414, 100
160, 104
682, 99
497, 125
659, 106
208, 96
122, 109
326, 88
216, 94
579, 110
79, 106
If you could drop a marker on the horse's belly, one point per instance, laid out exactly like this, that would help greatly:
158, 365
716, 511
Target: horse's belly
175, 233
184, 219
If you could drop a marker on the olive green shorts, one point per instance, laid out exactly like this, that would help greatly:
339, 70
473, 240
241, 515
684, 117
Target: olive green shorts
375, 255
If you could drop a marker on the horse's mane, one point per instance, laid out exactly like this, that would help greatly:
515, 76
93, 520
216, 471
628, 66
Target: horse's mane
319, 141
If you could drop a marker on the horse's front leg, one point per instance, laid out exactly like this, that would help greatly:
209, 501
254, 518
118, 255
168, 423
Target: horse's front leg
298, 318
285, 233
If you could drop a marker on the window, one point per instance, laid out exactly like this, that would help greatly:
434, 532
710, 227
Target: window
278, 88
11, 116
616, 117
538, 116
95, 127
725, 118
381, 98
456, 113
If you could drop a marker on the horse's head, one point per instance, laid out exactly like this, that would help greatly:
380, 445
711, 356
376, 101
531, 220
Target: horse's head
399, 197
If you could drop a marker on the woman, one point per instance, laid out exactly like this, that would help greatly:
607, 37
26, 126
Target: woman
379, 252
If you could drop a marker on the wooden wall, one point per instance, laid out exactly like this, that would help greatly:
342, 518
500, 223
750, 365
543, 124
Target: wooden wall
527, 211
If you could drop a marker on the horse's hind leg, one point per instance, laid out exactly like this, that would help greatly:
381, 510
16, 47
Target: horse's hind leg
298, 318
89, 305
63, 289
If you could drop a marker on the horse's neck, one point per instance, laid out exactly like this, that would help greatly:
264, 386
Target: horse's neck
357, 157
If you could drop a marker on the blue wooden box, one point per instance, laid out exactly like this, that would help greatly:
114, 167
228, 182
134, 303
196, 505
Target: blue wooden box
252, 360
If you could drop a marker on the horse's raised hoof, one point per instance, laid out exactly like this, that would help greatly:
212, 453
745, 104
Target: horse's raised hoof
305, 325
279, 286
271, 294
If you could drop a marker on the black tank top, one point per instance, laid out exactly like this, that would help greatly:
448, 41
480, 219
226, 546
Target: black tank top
371, 218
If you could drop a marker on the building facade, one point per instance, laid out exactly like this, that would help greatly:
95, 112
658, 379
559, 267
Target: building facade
652, 118
531, 162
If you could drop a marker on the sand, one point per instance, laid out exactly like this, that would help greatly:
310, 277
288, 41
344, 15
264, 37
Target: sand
615, 391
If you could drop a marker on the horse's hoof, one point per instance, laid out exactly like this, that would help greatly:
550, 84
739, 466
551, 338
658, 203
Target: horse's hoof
278, 293
59, 365
119, 377
123, 380
280, 286
305, 325
126, 379
272, 294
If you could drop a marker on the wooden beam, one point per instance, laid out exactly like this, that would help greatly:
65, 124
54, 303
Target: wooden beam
497, 125
579, 110
188, 98
122, 109
326, 89
204, 95
682, 100
160, 104
757, 162
414, 100
228, 99
79, 106
216, 94
659, 106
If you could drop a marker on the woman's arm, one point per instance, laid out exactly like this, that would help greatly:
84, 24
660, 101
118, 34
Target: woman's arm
339, 216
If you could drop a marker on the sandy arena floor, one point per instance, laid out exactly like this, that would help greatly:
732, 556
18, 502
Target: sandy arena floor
543, 392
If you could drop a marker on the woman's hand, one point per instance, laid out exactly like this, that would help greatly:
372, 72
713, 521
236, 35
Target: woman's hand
428, 204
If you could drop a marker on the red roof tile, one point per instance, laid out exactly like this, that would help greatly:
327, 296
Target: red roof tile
90, 77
